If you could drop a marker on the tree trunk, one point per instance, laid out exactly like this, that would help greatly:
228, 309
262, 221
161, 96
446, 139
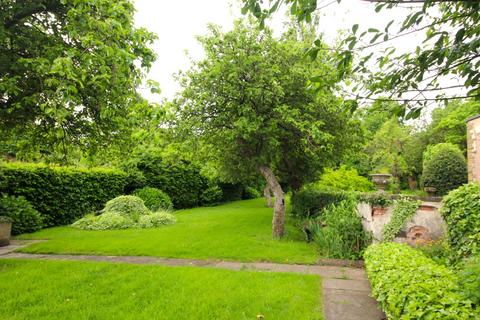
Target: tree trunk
268, 196
278, 221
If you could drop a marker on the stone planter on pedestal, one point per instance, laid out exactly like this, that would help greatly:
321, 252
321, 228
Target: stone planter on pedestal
5, 230
381, 180
430, 191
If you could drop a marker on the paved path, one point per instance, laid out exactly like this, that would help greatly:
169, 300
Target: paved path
345, 290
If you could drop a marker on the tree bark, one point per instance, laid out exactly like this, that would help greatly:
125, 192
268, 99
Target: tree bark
268, 196
278, 221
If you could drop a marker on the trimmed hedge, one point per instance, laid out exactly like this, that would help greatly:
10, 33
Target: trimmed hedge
408, 285
310, 202
61, 194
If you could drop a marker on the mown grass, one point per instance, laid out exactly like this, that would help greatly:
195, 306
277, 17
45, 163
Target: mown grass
239, 231
89, 290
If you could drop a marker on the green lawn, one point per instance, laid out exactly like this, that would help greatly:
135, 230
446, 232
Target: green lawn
238, 231
89, 290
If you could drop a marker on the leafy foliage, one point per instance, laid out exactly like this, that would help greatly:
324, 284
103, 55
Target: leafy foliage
61, 194
4, 219
469, 275
212, 195
310, 201
403, 210
154, 198
344, 179
444, 168
130, 207
338, 231
409, 285
69, 71
24, 217
106, 221
251, 193
461, 211
156, 219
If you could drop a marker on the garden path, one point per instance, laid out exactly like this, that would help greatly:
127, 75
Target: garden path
346, 290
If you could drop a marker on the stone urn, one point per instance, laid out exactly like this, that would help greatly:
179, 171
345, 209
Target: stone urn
5, 230
430, 191
381, 180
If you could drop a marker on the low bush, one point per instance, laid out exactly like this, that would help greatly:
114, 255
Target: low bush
461, 211
212, 195
106, 221
61, 194
24, 217
444, 168
154, 198
156, 219
251, 193
344, 179
339, 233
469, 274
403, 210
130, 207
408, 285
310, 201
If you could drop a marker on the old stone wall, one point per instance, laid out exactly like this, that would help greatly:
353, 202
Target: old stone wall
426, 225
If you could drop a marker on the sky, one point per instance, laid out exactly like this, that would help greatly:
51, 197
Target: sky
177, 23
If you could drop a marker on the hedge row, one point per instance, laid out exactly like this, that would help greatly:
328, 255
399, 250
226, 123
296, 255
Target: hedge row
408, 285
310, 202
61, 194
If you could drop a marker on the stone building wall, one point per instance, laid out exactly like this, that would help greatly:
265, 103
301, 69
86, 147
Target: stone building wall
426, 225
473, 148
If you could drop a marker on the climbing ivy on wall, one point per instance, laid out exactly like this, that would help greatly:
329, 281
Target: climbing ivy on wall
403, 210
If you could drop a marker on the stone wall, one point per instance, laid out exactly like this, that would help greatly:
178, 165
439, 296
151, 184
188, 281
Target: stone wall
427, 224
473, 148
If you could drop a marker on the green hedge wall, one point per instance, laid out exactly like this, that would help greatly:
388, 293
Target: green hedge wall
311, 201
61, 194
408, 285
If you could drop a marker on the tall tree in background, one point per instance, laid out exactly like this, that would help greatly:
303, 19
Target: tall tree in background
69, 70
249, 102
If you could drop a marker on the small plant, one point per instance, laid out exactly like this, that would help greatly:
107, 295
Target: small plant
444, 168
212, 195
130, 207
156, 219
154, 198
461, 211
24, 217
339, 233
403, 210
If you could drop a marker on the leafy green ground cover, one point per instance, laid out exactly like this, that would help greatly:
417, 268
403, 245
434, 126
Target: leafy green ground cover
89, 290
239, 231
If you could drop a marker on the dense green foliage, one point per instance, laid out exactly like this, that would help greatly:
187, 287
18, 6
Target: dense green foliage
105, 221
154, 198
131, 207
89, 290
212, 195
469, 275
61, 194
4, 219
236, 231
344, 179
156, 219
461, 211
403, 210
310, 201
444, 168
338, 231
24, 217
409, 285
69, 72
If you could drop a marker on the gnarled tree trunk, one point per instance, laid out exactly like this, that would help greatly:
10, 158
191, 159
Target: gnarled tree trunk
278, 221
268, 196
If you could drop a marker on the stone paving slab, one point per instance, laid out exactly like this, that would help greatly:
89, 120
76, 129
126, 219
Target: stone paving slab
340, 304
17, 244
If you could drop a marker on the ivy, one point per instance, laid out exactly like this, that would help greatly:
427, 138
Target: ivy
403, 210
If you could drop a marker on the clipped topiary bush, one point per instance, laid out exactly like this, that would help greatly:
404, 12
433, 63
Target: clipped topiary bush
24, 217
156, 219
130, 207
310, 201
154, 198
408, 285
444, 168
461, 211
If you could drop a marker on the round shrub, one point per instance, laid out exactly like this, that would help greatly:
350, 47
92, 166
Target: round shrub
461, 211
444, 168
251, 193
24, 217
156, 219
212, 195
154, 198
130, 207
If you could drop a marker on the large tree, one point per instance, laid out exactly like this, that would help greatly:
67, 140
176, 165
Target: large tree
69, 69
250, 103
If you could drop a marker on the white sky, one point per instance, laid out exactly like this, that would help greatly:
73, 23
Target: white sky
178, 22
